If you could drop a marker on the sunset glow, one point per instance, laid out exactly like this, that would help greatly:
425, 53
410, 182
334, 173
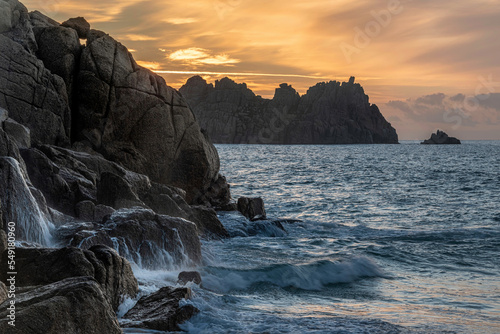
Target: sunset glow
398, 50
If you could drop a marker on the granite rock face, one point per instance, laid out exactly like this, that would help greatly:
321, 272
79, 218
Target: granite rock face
42, 266
95, 98
72, 305
329, 113
441, 138
160, 310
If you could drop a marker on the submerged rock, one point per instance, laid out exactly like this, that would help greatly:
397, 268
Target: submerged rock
252, 208
441, 137
161, 310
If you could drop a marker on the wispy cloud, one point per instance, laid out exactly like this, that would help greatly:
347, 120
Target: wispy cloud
198, 56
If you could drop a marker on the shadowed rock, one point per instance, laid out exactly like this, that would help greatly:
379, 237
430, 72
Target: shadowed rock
252, 208
441, 138
161, 310
329, 113
41, 266
79, 24
150, 240
189, 276
72, 305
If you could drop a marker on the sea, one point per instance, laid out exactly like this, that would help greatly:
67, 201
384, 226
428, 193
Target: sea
374, 239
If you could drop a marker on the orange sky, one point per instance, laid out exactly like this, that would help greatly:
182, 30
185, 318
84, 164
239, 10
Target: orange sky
400, 51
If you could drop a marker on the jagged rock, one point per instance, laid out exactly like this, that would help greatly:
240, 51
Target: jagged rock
62, 187
19, 205
189, 276
18, 132
59, 48
34, 96
81, 26
73, 305
116, 192
209, 226
441, 138
85, 210
216, 195
42, 266
329, 113
102, 211
161, 310
252, 208
15, 24
141, 236
131, 116
8, 148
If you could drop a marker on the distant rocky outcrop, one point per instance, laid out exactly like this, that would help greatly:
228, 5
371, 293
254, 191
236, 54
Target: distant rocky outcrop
329, 113
441, 138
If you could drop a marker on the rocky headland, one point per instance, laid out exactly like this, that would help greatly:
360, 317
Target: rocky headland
329, 113
103, 167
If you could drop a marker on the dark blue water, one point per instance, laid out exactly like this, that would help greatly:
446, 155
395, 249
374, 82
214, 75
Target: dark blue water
391, 239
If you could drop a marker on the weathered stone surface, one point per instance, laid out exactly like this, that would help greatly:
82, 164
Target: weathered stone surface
189, 276
3, 291
209, 226
8, 148
18, 132
42, 266
161, 310
33, 96
85, 210
116, 192
59, 48
131, 116
15, 24
441, 138
141, 236
252, 208
79, 24
73, 305
330, 113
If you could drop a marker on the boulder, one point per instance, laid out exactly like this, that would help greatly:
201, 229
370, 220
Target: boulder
79, 24
441, 138
72, 305
42, 266
160, 310
189, 276
151, 241
252, 208
18, 132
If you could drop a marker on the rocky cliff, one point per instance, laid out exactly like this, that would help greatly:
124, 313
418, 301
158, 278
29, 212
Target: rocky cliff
100, 154
329, 113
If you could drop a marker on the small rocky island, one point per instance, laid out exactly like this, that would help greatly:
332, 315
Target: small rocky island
441, 138
329, 113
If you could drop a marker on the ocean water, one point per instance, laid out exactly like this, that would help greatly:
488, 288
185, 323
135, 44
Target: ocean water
378, 239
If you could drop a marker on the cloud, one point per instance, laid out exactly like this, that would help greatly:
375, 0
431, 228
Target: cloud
199, 56
180, 20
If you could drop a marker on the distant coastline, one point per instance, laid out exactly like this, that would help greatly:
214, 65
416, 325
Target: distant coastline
329, 113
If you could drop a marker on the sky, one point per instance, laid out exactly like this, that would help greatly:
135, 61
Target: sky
427, 64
